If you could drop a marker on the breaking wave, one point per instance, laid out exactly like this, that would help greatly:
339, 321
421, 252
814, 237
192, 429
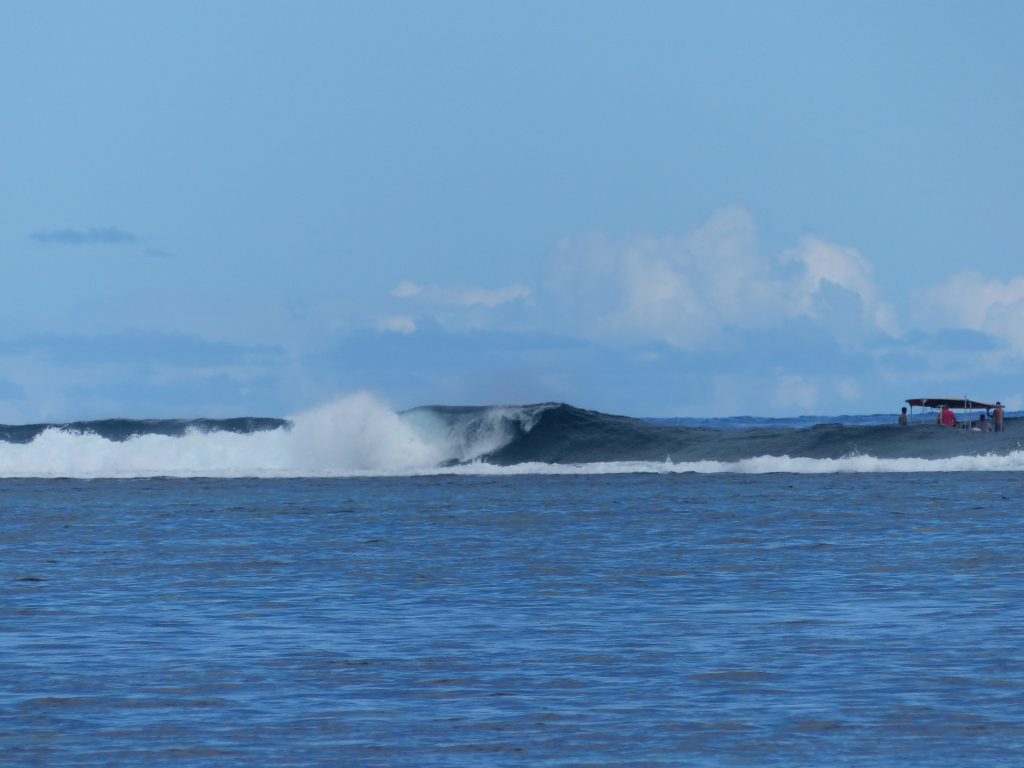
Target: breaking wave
360, 436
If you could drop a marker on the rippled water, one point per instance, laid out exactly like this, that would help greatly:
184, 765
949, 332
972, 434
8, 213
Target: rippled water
635, 620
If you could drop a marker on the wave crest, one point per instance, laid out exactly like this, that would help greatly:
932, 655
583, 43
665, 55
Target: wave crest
359, 435
356, 435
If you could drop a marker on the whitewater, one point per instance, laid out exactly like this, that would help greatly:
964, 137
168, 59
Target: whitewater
480, 586
360, 436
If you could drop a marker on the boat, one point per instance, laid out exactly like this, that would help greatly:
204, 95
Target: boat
958, 403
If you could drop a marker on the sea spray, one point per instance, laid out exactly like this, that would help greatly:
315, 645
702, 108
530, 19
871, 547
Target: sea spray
359, 435
355, 435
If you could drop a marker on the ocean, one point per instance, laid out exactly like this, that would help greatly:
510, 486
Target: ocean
536, 585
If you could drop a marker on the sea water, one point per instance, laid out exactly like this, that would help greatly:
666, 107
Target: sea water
492, 618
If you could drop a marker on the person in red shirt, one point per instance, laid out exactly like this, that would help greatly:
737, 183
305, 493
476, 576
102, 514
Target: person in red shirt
946, 417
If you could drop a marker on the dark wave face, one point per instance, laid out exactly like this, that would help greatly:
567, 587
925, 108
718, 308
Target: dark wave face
119, 430
359, 435
559, 433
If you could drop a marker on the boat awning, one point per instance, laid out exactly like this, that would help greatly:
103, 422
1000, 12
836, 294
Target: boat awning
950, 402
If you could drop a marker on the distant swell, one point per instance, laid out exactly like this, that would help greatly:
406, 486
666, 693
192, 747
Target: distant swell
359, 436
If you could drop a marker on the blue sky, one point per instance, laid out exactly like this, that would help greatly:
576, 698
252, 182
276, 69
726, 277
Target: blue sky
659, 208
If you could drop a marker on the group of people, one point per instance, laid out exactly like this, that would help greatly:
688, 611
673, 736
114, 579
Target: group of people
948, 419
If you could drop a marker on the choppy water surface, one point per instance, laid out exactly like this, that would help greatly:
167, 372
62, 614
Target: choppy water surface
719, 620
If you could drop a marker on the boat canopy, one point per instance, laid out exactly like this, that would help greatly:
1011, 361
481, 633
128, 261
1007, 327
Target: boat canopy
950, 402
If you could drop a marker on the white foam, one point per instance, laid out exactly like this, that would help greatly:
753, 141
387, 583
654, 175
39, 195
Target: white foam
356, 435
760, 465
359, 436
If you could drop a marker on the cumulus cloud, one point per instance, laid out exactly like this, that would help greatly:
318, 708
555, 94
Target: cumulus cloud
968, 300
688, 291
680, 290
94, 236
804, 329
825, 264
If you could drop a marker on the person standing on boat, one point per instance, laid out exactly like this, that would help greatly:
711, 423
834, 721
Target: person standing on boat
998, 416
946, 417
983, 424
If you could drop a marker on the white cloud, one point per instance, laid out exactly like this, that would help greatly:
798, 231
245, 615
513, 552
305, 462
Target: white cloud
846, 268
464, 297
968, 300
405, 290
1006, 321
687, 291
397, 324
